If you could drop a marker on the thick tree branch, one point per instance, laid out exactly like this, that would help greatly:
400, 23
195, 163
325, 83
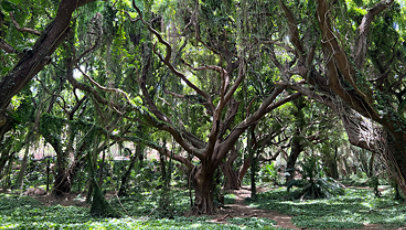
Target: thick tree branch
32, 62
361, 45
264, 108
338, 65
167, 59
293, 30
165, 123
7, 47
23, 29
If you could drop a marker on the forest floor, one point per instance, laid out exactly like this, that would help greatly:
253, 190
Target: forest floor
357, 209
241, 209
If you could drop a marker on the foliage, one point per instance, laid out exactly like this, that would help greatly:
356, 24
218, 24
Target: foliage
313, 186
25, 213
271, 172
350, 210
253, 222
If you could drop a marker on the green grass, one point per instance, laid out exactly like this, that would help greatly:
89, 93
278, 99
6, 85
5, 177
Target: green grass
229, 198
141, 211
19, 212
351, 210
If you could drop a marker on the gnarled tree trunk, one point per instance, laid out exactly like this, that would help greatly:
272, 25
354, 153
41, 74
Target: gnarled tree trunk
204, 186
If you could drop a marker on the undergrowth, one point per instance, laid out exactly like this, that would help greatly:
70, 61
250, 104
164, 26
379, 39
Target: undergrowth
353, 209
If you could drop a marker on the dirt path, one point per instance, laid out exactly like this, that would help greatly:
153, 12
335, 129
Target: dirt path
239, 209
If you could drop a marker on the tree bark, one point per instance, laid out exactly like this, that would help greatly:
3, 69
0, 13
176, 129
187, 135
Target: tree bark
231, 177
204, 187
296, 149
126, 176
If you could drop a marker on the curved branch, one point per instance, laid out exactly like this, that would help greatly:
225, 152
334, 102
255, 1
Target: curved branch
32, 62
166, 59
338, 65
23, 29
363, 29
7, 47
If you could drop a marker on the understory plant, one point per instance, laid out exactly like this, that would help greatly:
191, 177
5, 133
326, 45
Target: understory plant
312, 184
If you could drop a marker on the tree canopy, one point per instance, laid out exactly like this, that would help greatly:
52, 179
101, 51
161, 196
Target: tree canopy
213, 77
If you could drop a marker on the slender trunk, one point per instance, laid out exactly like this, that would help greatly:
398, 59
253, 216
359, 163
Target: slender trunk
231, 177
162, 162
253, 161
296, 149
244, 169
5, 157
7, 182
101, 176
48, 170
334, 165
371, 165
19, 183
126, 176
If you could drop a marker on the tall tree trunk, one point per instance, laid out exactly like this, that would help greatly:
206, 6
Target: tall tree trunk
62, 183
162, 161
231, 177
371, 164
19, 183
253, 161
126, 176
5, 156
244, 169
295, 145
204, 186
395, 158
296, 149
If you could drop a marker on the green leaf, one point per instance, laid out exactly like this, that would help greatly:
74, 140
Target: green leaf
8, 6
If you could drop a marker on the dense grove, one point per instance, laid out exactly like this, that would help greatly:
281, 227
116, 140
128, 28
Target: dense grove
196, 113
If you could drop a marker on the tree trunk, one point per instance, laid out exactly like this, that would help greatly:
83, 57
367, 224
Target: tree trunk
386, 140
5, 156
64, 179
7, 182
244, 169
124, 179
253, 161
296, 146
371, 165
100, 207
296, 149
204, 187
395, 157
19, 183
62, 183
231, 178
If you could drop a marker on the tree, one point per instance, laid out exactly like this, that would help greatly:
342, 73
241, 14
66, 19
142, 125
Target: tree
357, 75
34, 59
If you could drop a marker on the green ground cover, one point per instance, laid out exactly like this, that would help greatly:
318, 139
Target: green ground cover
351, 210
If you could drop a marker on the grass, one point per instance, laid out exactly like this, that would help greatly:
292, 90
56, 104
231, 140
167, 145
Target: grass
351, 210
20, 212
